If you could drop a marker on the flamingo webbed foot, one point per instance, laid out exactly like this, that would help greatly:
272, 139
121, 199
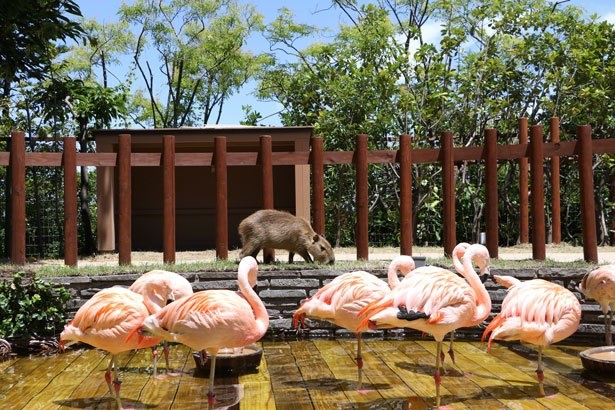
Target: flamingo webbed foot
211, 398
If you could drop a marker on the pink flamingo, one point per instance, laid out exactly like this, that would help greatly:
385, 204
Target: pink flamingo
106, 321
599, 284
458, 253
213, 319
537, 312
435, 301
340, 300
159, 287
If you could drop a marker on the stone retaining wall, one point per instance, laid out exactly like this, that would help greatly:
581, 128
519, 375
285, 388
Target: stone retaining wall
282, 291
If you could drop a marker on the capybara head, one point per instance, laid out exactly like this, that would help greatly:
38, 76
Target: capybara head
321, 250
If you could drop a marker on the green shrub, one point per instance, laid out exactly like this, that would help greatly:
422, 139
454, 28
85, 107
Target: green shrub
31, 307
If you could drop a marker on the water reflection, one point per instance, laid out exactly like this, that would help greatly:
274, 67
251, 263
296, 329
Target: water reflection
292, 375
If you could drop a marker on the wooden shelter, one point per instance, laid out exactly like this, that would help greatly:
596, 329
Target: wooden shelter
195, 205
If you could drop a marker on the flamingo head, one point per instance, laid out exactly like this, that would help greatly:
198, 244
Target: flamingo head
479, 254
299, 321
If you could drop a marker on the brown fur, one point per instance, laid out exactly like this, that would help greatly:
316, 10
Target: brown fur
269, 228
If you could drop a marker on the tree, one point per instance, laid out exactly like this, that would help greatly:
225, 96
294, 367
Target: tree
29, 32
491, 63
201, 56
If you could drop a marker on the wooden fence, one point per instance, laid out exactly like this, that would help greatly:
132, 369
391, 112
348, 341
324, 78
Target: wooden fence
532, 151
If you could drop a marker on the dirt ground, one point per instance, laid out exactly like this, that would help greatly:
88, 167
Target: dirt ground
561, 253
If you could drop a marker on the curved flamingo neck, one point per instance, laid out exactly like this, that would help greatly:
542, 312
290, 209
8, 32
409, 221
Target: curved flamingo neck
404, 264
483, 301
458, 253
246, 278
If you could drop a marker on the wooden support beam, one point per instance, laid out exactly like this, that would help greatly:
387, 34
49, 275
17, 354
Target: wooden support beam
168, 199
448, 188
361, 177
538, 195
588, 206
71, 239
405, 194
17, 165
267, 183
491, 191
125, 199
221, 198
318, 186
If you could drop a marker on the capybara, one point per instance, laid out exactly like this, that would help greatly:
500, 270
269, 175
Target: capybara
269, 228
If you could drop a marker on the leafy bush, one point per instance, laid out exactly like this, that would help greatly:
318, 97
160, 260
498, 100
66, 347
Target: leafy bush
31, 307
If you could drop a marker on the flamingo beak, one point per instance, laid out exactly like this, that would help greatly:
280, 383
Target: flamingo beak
485, 274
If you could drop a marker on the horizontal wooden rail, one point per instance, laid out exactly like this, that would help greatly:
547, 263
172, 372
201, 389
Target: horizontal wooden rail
583, 148
419, 156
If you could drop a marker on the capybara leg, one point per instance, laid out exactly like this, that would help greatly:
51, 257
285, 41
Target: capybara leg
305, 255
267, 257
291, 255
249, 251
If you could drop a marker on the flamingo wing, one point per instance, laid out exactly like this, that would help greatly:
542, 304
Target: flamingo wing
537, 312
340, 300
107, 320
214, 318
429, 299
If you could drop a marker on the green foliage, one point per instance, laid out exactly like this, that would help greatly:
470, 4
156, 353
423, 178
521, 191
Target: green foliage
201, 56
28, 30
31, 307
492, 62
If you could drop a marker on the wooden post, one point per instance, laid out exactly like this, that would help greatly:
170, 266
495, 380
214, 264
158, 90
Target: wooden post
491, 191
361, 169
524, 203
17, 165
537, 195
556, 224
125, 199
221, 198
267, 181
588, 207
168, 200
318, 185
69, 163
405, 193
448, 188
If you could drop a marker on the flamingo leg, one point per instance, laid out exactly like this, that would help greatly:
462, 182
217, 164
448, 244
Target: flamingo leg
116, 382
451, 351
211, 396
437, 376
608, 320
359, 362
165, 351
108, 376
155, 357
203, 357
540, 374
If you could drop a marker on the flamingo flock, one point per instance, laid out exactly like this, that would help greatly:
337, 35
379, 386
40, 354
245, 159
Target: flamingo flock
161, 307
341, 300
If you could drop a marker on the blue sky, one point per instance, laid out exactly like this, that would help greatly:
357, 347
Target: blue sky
305, 11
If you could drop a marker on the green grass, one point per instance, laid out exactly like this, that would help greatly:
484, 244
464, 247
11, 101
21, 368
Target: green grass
58, 270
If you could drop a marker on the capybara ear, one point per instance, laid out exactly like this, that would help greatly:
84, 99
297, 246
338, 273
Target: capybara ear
315, 238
